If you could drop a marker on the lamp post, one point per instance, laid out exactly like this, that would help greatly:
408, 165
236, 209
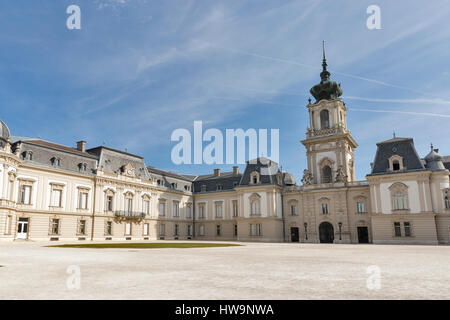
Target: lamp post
306, 230
340, 230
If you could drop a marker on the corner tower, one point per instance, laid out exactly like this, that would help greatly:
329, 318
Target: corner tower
329, 145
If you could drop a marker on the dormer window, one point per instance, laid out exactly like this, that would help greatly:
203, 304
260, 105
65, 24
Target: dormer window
203, 188
395, 163
219, 187
27, 155
254, 177
56, 162
82, 167
174, 185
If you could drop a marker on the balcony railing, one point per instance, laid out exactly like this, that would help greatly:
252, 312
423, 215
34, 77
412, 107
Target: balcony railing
324, 132
129, 214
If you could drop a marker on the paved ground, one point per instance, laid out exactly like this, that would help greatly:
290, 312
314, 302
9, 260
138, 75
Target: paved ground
253, 271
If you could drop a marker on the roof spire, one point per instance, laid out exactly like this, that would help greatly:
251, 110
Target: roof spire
432, 148
393, 134
324, 75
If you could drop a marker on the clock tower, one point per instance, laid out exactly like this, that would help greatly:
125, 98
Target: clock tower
329, 145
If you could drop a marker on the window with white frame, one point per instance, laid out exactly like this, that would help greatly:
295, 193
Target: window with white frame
360, 206
201, 211
128, 229
218, 230
56, 196
128, 202
407, 228
25, 194
146, 205
162, 229
447, 202
188, 211
397, 229
324, 208
176, 209
255, 229
218, 209
399, 201
54, 226
145, 231
108, 228
8, 224
82, 199
235, 208
162, 208
293, 209
81, 227
109, 203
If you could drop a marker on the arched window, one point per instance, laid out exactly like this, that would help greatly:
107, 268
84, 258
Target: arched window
326, 174
447, 203
399, 200
395, 165
324, 119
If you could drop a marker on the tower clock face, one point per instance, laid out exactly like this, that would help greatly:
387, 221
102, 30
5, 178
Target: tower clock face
130, 171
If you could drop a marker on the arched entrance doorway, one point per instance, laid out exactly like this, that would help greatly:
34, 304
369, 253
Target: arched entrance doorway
326, 232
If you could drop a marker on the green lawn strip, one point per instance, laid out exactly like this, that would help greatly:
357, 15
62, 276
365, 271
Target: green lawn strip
144, 245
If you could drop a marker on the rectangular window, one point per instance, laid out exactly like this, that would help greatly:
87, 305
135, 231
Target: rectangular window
162, 209
360, 206
162, 229
82, 201
127, 229
293, 210
407, 227
188, 211
397, 230
54, 226
109, 203
175, 231
128, 205
25, 194
235, 230
235, 208
324, 208
218, 230
146, 206
255, 229
202, 230
108, 228
56, 198
145, 232
218, 210
201, 212
176, 209
82, 227
8, 225
189, 230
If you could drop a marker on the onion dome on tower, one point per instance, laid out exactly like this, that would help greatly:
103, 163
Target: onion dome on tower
433, 160
4, 134
326, 89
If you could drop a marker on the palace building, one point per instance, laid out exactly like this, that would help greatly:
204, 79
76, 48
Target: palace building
54, 192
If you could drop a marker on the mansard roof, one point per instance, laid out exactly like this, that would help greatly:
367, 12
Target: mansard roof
113, 161
44, 151
171, 174
268, 169
403, 147
227, 181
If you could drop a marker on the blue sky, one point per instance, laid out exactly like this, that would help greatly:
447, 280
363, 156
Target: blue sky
137, 70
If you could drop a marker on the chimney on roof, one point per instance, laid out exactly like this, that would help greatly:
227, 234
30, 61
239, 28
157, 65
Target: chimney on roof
81, 146
235, 170
436, 150
216, 172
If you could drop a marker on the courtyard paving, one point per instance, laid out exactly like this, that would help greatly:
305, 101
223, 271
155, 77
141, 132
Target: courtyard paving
252, 271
